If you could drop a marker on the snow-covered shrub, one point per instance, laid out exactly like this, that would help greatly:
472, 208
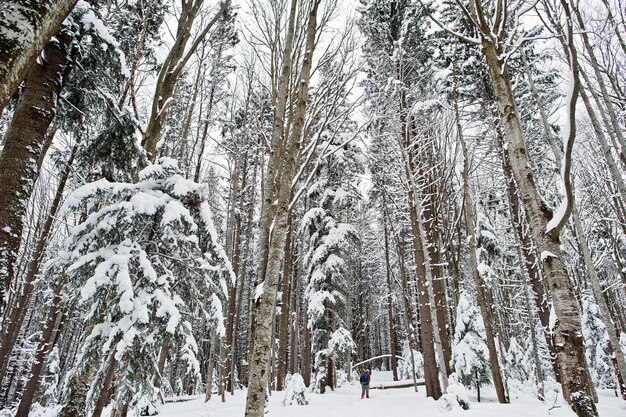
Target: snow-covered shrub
456, 395
342, 378
470, 356
295, 391
405, 367
144, 259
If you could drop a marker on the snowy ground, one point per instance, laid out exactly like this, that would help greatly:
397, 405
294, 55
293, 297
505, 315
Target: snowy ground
399, 402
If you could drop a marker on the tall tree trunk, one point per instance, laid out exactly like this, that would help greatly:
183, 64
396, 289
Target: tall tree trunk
581, 239
23, 142
427, 311
283, 332
107, 385
481, 287
41, 357
174, 63
568, 336
158, 377
406, 295
306, 355
18, 311
294, 321
608, 103
439, 283
276, 214
25, 28
392, 335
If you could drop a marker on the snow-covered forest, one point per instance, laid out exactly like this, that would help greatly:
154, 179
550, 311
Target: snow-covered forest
251, 202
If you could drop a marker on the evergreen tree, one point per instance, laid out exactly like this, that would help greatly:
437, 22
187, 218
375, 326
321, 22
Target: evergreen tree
470, 356
144, 260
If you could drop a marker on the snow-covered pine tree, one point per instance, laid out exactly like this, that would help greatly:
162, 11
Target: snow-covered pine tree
142, 263
470, 356
519, 364
329, 241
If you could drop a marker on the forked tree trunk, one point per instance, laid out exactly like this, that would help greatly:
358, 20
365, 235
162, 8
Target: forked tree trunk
25, 28
23, 144
276, 214
174, 63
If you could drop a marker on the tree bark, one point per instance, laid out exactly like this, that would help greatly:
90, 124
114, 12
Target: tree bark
283, 332
429, 328
173, 65
275, 214
568, 336
583, 246
26, 26
41, 357
479, 282
18, 311
23, 142
107, 385
392, 333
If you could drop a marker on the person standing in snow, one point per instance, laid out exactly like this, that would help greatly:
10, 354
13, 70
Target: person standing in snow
365, 383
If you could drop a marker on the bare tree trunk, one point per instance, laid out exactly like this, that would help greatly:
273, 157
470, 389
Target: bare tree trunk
617, 129
581, 239
23, 142
209, 371
406, 295
107, 385
431, 343
539, 375
174, 63
439, 284
158, 378
25, 28
276, 214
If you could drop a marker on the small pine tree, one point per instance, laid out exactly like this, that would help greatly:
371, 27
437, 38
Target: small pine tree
470, 356
519, 364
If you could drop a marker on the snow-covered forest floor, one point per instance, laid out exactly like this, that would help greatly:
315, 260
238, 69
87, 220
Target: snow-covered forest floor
401, 402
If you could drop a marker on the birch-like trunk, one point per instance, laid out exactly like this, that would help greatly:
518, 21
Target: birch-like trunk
568, 336
283, 320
